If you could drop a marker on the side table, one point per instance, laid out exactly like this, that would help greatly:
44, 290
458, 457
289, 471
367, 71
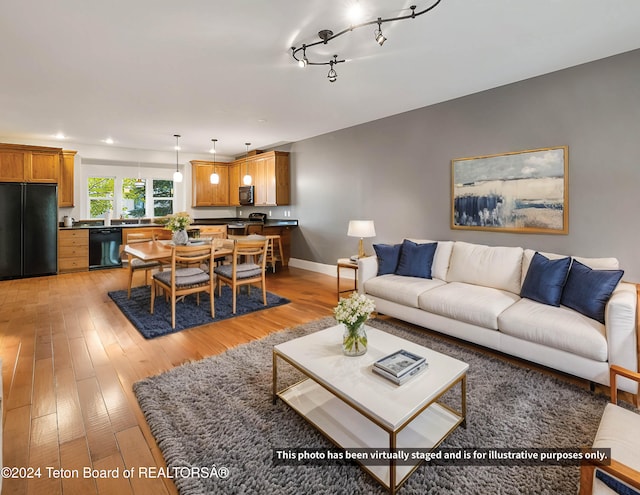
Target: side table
352, 265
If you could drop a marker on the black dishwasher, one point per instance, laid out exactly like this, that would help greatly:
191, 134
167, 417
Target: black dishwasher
104, 247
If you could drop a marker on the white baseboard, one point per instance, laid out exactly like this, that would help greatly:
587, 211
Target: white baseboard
330, 270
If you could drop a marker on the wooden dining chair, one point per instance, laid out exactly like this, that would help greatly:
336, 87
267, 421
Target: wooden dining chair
136, 264
180, 281
247, 267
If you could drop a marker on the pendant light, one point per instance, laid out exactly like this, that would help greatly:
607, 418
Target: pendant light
139, 182
214, 178
246, 180
177, 175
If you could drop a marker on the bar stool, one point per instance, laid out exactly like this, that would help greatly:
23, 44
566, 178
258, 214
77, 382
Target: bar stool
272, 256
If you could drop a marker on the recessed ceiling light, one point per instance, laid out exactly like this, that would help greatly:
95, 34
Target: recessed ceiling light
355, 12
60, 136
262, 121
108, 141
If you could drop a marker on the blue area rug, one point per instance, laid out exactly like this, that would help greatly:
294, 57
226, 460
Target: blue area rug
188, 313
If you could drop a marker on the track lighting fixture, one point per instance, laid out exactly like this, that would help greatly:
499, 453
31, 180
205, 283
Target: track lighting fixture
299, 54
177, 175
214, 178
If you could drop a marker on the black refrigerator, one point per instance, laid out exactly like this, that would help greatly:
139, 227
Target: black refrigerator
28, 230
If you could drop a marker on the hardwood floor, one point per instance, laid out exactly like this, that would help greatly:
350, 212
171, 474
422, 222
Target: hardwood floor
70, 358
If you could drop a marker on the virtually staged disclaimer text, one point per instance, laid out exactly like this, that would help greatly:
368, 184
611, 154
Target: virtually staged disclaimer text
444, 456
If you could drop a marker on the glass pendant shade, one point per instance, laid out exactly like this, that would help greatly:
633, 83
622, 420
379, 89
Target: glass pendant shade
177, 175
214, 178
246, 180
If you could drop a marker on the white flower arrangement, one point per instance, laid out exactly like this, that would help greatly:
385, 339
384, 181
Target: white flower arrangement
179, 221
354, 310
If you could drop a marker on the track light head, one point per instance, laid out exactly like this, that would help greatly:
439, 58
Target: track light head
380, 38
333, 75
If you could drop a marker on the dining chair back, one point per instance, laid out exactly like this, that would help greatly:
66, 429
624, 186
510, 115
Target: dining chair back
135, 264
247, 267
181, 281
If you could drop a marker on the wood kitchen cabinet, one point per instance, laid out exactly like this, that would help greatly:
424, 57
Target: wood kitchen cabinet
65, 184
235, 180
22, 163
73, 250
203, 192
270, 175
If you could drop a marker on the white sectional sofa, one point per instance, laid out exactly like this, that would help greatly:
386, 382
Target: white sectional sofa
474, 294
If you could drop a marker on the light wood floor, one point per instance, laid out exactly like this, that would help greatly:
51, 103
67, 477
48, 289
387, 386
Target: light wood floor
69, 361
70, 358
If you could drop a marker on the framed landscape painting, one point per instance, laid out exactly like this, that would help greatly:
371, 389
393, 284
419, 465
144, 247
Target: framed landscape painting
522, 191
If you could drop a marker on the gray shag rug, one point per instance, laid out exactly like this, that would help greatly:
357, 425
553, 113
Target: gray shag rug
216, 415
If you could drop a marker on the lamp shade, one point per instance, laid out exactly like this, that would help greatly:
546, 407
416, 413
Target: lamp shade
361, 228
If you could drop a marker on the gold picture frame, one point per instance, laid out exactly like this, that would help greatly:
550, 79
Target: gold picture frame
520, 191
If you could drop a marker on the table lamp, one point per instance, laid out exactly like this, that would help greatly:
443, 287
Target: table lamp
361, 229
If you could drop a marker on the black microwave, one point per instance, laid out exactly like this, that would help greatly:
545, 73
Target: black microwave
246, 195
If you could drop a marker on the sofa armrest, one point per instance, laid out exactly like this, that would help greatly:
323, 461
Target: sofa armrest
622, 326
367, 269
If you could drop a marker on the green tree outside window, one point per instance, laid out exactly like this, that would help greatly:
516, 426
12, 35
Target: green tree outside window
101, 191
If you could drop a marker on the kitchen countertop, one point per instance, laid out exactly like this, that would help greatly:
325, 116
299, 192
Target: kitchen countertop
95, 224
269, 222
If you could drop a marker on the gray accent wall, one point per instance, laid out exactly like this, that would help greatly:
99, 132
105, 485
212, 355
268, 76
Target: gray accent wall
396, 171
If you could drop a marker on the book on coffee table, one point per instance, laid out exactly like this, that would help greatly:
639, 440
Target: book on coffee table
399, 363
406, 376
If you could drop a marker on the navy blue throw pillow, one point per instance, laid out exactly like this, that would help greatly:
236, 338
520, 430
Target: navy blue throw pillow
388, 256
545, 279
588, 291
416, 259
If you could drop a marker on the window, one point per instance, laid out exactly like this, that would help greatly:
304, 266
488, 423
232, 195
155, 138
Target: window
162, 197
101, 193
133, 198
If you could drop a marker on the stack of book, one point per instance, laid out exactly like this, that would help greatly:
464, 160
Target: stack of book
400, 366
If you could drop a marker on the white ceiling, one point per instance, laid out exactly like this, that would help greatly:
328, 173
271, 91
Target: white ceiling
140, 71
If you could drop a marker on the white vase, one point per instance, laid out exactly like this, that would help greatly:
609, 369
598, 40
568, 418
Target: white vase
180, 238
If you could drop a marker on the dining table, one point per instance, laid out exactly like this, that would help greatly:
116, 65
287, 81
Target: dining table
161, 249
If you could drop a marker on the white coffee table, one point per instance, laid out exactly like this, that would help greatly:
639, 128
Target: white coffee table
356, 408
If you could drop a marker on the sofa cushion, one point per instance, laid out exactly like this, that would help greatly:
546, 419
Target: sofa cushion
588, 291
545, 279
388, 256
399, 289
469, 303
416, 259
488, 266
557, 327
441, 259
